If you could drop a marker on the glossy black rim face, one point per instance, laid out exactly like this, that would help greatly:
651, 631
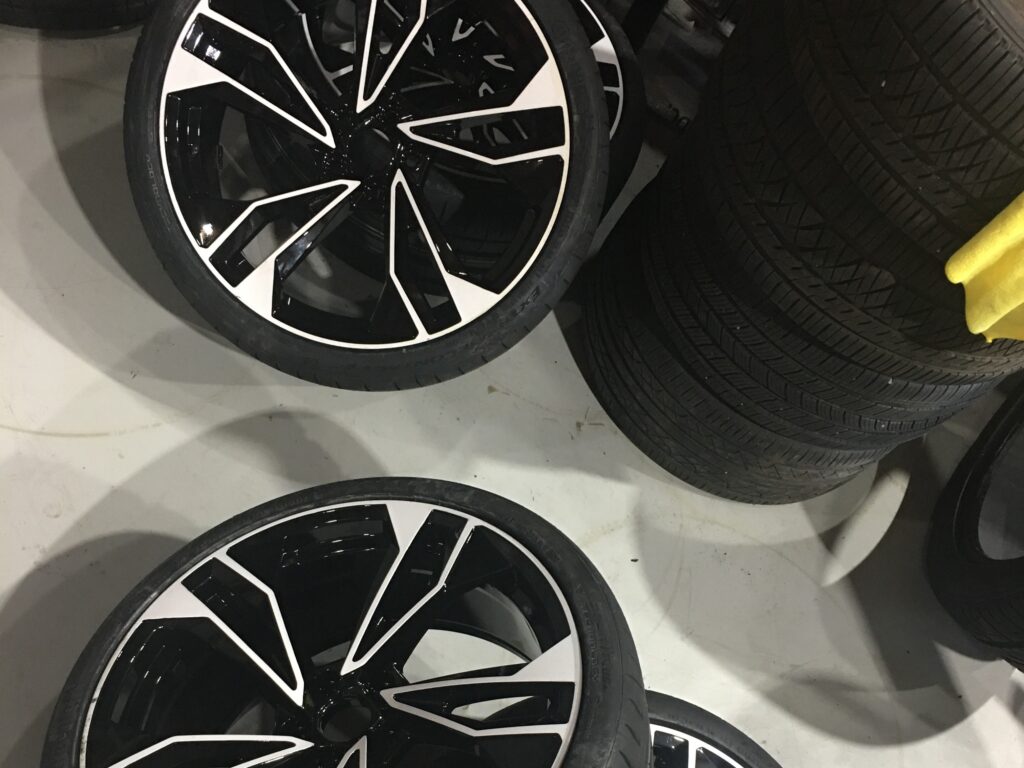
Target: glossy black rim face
673, 747
387, 634
607, 62
365, 173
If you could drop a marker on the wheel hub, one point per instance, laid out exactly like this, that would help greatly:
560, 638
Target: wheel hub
348, 719
369, 147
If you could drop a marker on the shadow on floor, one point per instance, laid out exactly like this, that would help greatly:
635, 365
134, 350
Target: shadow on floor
841, 630
83, 99
48, 617
51, 614
87, 275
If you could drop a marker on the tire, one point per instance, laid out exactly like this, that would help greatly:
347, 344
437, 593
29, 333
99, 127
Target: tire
759, 360
69, 15
332, 353
921, 102
984, 593
624, 90
610, 725
798, 226
681, 723
665, 406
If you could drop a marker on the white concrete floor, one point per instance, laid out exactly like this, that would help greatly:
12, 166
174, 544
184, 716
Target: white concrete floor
127, 427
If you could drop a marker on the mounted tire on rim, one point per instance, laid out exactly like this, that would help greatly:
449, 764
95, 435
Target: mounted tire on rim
372, 624
368, 194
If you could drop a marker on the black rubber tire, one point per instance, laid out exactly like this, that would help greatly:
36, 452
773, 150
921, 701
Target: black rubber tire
922, 102
799, 227
628, 137
758, 359
687, 718
612, 727
664, 405
71, 15
984, 595
428, 363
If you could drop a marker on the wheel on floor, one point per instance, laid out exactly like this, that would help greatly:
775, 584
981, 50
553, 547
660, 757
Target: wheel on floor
370, 196
397, 623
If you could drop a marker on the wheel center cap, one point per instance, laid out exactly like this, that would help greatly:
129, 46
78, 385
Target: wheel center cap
371, 151
347, 720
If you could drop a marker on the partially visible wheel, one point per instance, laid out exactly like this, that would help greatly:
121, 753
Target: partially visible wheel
976, 549
70, 15
623, 89
368, 194
685, 736
372, 624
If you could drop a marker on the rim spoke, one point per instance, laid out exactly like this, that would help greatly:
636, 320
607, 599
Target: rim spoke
454, 748
225, 593
391, 28
469, 301
234, 232
357, 756
257, 287
429, 544
317, 66
530, 128
211, 56
548, 681
203, 751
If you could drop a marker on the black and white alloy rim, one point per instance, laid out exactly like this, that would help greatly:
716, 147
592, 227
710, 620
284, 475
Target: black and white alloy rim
359, 635
674, 747
607, 62
368, 174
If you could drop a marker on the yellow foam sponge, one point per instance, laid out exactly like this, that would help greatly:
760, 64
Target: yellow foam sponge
991, 269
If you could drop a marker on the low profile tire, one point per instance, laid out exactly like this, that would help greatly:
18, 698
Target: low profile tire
623, 83
299, 634
369, 217
71, 15
976, 549
685, 736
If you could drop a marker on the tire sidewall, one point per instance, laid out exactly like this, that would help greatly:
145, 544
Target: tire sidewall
506, 323
604, 650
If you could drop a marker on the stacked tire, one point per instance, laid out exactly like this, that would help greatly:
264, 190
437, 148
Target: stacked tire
786, 320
